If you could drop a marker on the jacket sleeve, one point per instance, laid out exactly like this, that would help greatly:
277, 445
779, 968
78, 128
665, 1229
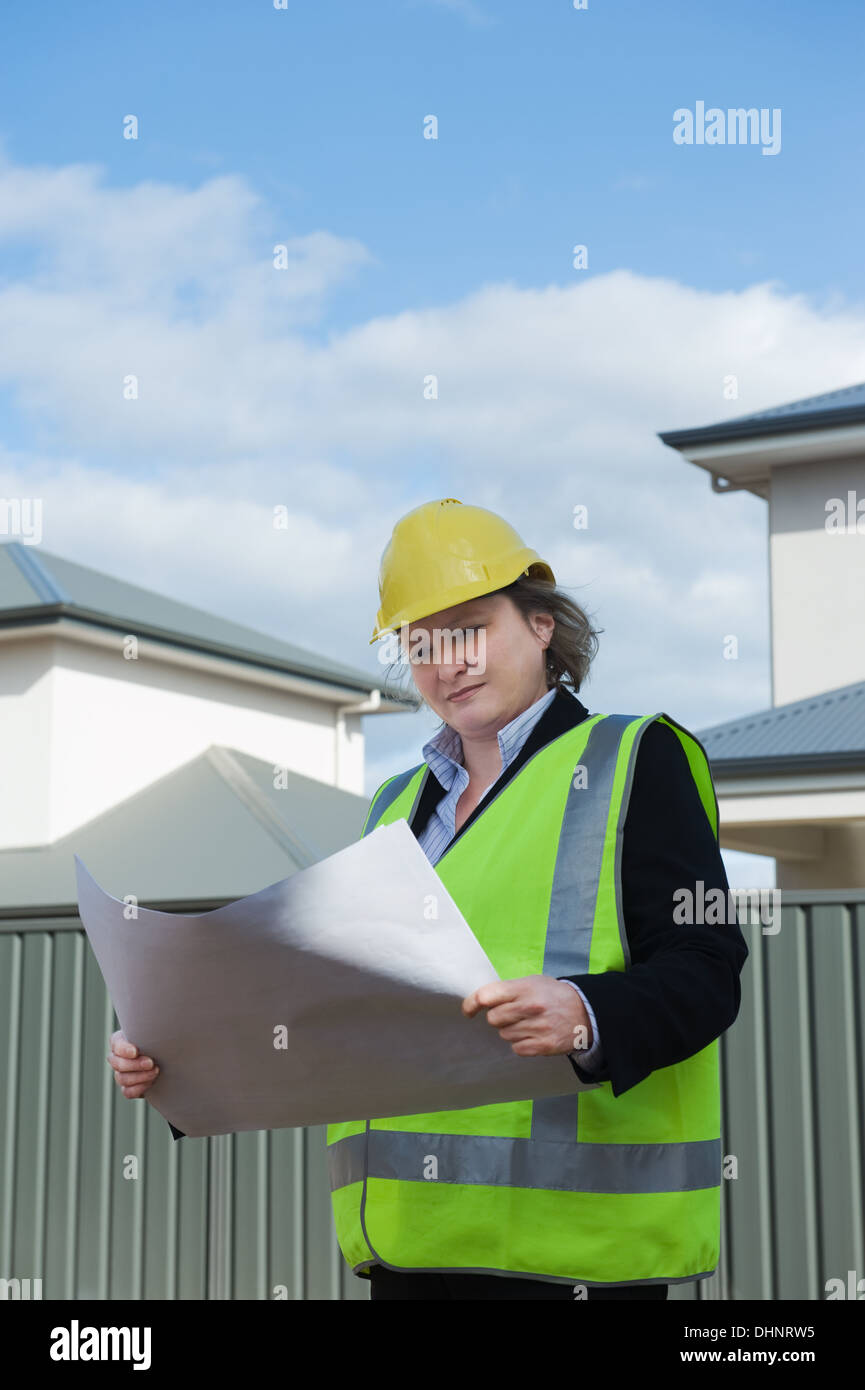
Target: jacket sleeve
681, 989
592, 1059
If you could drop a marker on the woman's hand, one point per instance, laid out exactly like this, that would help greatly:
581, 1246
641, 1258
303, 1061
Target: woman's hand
133, 1074
537, 1015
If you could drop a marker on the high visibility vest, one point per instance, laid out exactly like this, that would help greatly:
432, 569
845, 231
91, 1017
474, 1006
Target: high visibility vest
581, 1188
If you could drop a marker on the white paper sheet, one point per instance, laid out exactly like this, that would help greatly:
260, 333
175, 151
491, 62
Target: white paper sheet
345, 962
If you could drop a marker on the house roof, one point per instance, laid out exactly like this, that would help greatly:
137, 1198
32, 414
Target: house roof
212, 831
44, 588
832, 409
822, 733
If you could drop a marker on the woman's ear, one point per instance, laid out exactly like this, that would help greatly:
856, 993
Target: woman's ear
544, 625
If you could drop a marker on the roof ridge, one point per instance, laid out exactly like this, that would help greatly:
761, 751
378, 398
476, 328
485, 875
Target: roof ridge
41, 581
224, 761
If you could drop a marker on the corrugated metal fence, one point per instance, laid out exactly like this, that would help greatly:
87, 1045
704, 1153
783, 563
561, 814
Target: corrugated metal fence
98, 1201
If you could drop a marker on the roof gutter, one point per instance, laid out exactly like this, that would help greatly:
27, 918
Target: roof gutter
371, 706
853, 761
229, 663
767, 425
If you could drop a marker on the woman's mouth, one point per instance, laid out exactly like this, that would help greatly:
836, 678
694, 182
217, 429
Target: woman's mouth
465, 693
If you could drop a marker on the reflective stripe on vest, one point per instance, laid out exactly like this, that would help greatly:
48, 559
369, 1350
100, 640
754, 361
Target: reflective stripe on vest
587, 1147
471, 1158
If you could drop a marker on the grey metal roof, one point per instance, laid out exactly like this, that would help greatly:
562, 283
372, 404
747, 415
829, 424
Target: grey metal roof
834, 408
41, 587
214, 830
824, 732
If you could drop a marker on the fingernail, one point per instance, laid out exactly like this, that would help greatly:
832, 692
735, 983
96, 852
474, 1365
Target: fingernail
146, 1062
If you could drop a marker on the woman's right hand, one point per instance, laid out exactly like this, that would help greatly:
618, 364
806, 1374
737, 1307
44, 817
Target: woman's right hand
133, 1074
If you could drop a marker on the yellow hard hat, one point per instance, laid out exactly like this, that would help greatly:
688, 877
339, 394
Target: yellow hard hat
443, 553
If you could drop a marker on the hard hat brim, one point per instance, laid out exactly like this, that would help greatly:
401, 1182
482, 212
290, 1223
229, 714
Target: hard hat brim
529, 562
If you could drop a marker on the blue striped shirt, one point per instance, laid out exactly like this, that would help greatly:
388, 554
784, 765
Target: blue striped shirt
443, 753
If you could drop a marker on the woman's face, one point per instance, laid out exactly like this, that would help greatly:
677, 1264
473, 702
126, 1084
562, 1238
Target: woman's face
486, 646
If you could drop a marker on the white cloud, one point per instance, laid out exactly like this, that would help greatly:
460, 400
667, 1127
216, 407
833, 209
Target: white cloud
548, 397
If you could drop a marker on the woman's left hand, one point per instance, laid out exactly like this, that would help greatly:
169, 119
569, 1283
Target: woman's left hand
537, 1015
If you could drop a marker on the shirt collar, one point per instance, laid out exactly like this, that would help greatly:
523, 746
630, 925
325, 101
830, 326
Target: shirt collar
447, 743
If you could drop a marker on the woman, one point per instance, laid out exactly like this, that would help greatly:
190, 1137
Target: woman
570, 842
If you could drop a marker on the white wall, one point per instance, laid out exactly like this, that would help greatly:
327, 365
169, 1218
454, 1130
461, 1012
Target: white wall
817, 580
25, 741
81, 728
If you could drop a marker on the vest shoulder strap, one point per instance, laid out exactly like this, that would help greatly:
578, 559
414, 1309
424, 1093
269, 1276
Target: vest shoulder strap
387, 794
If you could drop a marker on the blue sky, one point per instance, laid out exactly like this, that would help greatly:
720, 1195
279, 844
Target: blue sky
304, 126
555, 126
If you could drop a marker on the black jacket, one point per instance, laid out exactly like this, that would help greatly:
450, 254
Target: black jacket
682, 988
